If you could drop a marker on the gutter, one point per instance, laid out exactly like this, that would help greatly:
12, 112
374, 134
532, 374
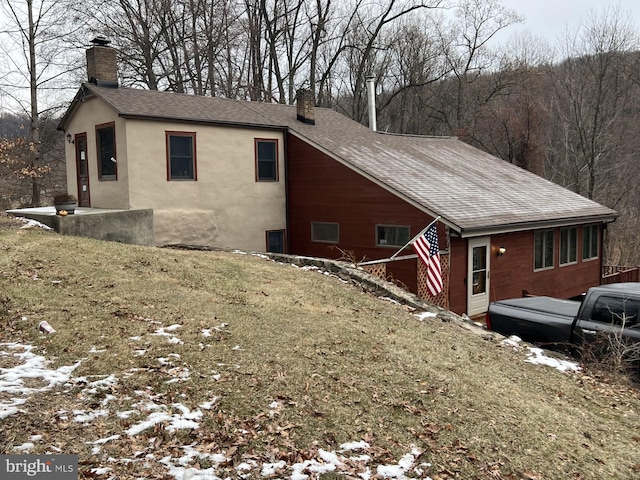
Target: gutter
554, 223
221, 123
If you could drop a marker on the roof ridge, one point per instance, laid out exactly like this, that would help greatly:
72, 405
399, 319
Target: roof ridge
417, 135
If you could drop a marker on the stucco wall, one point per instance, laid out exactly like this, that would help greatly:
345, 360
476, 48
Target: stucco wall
225, 207
103, 193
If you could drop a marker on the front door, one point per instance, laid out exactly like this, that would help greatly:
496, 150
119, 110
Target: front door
478, 276
82, 169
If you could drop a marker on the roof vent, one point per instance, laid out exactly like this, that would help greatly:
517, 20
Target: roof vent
102, 63
306, 106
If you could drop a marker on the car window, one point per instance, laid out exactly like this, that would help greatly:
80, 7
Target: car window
619, 311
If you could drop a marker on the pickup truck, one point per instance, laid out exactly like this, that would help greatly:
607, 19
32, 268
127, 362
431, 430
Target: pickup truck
612, 308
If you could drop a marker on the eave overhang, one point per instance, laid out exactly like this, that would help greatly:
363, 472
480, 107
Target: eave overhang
82, 93
538, 225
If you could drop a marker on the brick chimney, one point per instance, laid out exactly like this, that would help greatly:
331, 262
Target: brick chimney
306, 105
102, 63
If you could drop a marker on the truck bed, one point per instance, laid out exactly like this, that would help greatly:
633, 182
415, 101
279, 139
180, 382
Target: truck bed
537, 319
546, 305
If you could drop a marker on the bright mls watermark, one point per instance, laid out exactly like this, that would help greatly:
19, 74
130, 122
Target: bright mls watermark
49, 467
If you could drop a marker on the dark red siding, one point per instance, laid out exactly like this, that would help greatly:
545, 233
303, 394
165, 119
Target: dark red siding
513, 272
458, 275
321, 189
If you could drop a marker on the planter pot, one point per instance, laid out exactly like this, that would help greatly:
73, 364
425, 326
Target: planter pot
70, 207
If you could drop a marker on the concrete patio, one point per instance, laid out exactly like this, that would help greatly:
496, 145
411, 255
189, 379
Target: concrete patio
126, 226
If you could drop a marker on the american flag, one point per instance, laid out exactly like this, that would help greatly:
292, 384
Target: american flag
426, 246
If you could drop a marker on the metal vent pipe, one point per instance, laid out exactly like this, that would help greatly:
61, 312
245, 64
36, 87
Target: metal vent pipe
371, 91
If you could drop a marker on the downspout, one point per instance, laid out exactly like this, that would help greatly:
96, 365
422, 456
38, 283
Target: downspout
287, 213
371, 102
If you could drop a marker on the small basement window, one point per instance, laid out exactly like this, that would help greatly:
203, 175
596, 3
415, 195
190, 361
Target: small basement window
325, 232
275, 241
392, 235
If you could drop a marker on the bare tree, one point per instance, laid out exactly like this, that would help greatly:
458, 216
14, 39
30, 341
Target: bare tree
464, 42
594, 143
415, 62
33, 42
229, 61
514, 125
136, 29
370, 48
592, 95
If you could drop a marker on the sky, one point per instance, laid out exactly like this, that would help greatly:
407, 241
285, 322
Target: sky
549, 19
28, 373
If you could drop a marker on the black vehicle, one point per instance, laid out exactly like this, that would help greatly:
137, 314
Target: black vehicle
612, 309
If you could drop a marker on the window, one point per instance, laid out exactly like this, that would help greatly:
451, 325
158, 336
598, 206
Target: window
616, 310
106, 146
480, 271
568, 245
543, 249
325, 232
275, 241
181, 156
267, 160
590, 242
392, 235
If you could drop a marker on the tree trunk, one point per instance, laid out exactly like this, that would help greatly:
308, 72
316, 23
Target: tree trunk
35, 123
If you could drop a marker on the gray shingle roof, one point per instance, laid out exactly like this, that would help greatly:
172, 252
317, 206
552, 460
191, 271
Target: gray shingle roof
473, 191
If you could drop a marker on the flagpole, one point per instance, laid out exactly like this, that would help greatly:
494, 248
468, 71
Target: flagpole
414, 238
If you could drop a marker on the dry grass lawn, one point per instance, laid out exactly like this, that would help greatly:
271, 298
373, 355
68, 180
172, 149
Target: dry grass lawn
340, 365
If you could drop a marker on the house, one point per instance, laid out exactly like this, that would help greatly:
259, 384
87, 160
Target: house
309, 181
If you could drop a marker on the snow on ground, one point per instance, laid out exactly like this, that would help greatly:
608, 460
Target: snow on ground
425, 315
176, 416
29, 223
14, 380
23, 365
537, 356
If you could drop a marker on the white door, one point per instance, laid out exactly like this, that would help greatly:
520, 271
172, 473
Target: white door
478, 276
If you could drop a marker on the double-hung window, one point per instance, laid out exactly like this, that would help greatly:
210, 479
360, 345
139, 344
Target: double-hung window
106, 146
590, 242
568, 245
266, 160
181, 156
543, 249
